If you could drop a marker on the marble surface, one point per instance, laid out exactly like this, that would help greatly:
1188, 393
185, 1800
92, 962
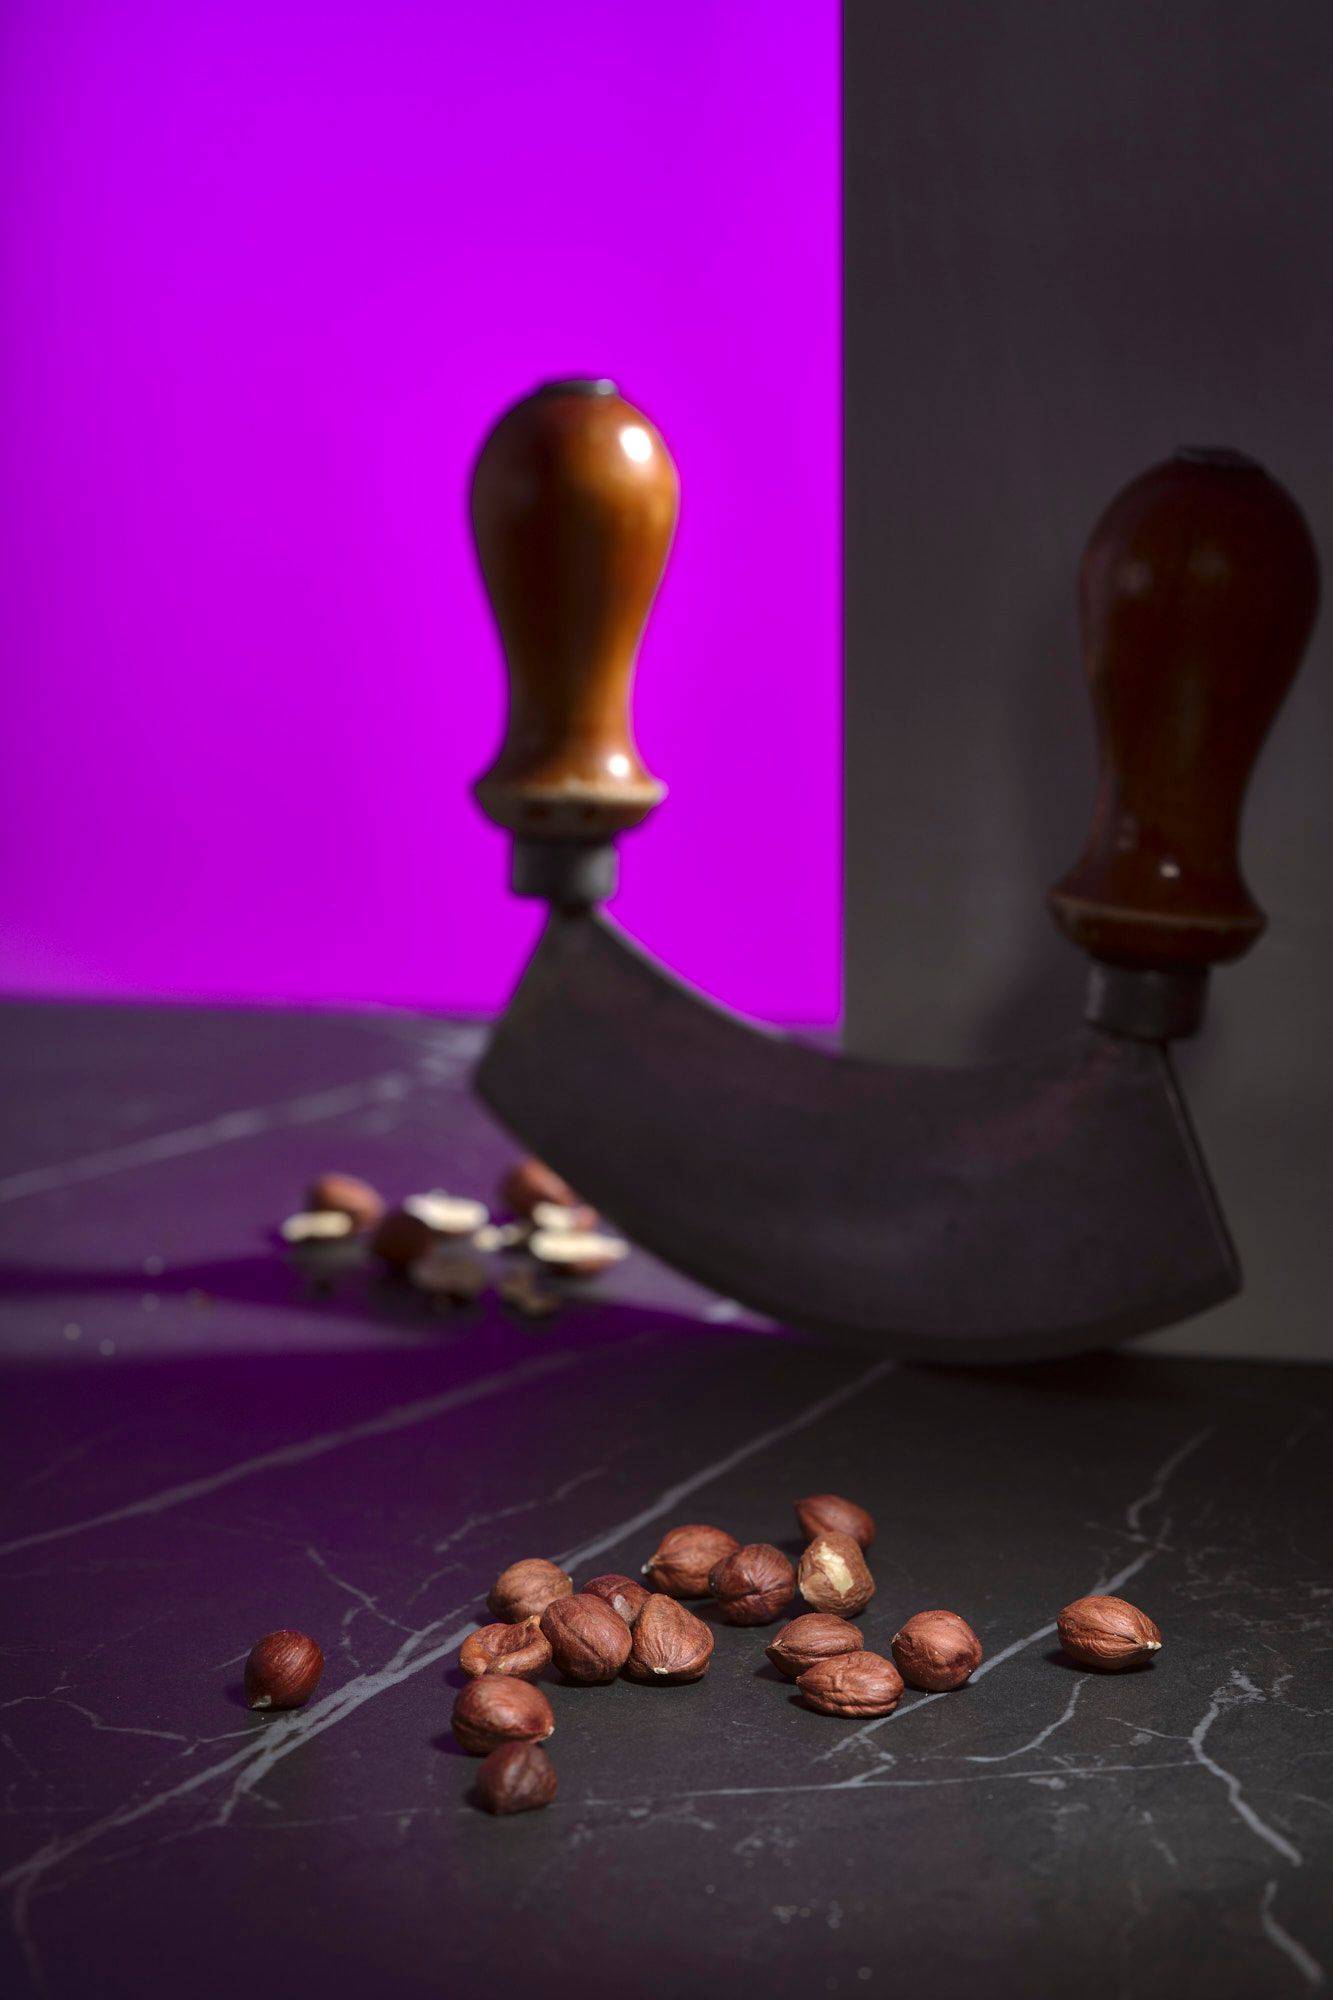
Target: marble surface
201, 1444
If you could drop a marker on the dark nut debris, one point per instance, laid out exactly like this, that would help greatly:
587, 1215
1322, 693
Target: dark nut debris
753, 1585
1108, 1634
834, 1577
526, 1588
589, 1641
497, 1709
521, 1650
817, 1635
626, 1597
518, 1777
684, 1558
852, 1684
830, 1514
282, 1671
532, 1183
344, 1194
668, 1644
936, 1650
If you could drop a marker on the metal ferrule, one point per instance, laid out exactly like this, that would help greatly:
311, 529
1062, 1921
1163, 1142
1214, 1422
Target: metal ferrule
569, 873
1145, 1006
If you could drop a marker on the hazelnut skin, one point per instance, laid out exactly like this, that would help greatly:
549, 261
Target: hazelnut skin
497, 1709
282, 1671
1108, 1634
526, 1588
754, 1585
816, 1635
936, 1650
830, 1514
626, 1597
531, 1182
521, 1650
852, 1684
668, 1645
518, 1777
684, 1558
589, 1641
833, 1576
344, 1194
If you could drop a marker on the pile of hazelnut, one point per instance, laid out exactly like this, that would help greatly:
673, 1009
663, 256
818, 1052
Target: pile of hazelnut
443, 1244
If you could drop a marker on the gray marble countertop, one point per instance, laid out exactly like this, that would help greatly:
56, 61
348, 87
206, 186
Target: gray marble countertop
200, 1444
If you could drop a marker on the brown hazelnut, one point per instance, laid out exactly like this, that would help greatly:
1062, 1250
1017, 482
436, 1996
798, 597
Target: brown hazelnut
526, 1588
282, 1671
589, 1641
521, 1650
626, 1597
668, 1644
1108, 1634
936, 1650
400, 1239
753, 1585
532, 1183
817, 1635
344, 1194
833, 1576
830, 1514
851, 1684
684, 1558
518, 1777
498, 1709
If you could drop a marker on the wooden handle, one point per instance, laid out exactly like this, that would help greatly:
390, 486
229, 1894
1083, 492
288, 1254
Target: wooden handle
574, 502
1197, 595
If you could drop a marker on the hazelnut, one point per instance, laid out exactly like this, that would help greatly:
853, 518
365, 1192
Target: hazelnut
830, 1514
858, 1683
1108, 1634
685, 1556
518, 1777
753, 1585
282, 1671
589, 1642
531, 1182
322, 1226
936, 1650
817, 1635
521, 1650
449, 1274
668, 1643
526, 1588
400, 1239
344, 1194
626, 1597
833, 1576
497, 1709
528, 1296
581, 1252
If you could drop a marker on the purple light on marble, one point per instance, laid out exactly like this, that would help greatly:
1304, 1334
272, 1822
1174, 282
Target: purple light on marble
270, 274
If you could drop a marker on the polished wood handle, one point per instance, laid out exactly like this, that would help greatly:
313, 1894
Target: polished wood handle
574, 502
1198, 592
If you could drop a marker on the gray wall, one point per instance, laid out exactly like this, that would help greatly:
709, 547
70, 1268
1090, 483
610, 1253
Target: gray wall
1079, 234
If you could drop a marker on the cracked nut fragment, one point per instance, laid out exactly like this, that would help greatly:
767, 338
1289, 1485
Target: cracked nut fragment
816, 1635
684, 1558
317, 1226
518, 1777
528, 1296
449, 1274
532, 1182
344, 1194
626, 1597
526, 1588
669, 1645
936, 1650
583, 1253
521, 1650
496, 1709
282, 1670
1108, 1634
830, 1514
754, 1585
589, 1641
833, 1576
447, 1214
852, 1684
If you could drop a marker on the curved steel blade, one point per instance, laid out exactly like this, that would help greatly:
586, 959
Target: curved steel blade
1008, 1210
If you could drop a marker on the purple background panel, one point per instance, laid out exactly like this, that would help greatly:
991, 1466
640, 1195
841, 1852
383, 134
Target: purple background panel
270, 272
